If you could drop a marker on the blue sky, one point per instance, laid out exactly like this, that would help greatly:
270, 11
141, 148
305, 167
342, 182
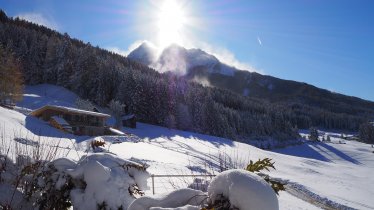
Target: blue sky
328, 44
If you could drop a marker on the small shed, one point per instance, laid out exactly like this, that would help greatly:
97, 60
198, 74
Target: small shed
129, 121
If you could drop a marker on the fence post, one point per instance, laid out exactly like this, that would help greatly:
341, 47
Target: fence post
153, 183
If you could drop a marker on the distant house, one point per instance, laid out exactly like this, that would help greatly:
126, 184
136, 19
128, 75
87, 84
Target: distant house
71, 120
129, 121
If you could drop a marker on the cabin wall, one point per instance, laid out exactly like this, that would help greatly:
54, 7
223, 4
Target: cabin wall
89, 130
73, 119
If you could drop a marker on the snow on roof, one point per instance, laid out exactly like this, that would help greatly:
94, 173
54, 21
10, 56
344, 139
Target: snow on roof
62, 122
69, 109
118, 132
127, 117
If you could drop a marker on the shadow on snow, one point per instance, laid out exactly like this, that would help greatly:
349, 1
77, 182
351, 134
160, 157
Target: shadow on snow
152, 132
318, 151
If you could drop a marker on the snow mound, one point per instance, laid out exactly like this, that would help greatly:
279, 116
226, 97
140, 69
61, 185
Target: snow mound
187, 207
183, 199
245, 190
109, 180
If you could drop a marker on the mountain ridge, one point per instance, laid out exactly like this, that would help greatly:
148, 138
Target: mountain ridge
202, 66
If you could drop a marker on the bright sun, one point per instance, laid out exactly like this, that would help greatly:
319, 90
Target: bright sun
170, 22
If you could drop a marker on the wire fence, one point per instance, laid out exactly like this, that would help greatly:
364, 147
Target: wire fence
168, 183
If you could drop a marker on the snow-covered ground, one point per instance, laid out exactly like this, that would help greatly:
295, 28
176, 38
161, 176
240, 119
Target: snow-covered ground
339, 172
327, 172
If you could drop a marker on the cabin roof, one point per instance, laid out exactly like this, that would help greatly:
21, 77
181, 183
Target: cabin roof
68, 110
118, 132
127, 117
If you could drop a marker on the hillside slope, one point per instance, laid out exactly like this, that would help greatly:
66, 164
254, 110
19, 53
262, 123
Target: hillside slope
201, 66
335, 173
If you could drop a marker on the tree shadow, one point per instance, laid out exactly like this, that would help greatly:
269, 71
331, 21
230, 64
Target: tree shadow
316, 150
304, 150
153, 132
212, 160
338, 153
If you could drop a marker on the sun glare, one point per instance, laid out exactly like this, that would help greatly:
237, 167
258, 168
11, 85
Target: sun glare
171, 22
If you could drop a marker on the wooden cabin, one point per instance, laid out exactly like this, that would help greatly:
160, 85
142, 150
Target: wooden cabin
71, 120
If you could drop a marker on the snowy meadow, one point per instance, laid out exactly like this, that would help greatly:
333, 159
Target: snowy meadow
40, 164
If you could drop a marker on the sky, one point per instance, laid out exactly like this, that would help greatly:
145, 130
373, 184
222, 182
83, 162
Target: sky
328, 44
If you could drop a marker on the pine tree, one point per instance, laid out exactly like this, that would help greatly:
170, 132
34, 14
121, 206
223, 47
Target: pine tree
328, 138
366, 132
84, 104
183, 117
3, 17
313, 134
11, 81
117, 110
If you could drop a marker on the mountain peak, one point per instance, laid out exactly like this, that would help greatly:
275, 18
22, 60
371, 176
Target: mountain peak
145, 54
146, 45
176, 58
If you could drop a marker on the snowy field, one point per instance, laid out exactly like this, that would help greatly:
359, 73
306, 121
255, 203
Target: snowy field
336, 173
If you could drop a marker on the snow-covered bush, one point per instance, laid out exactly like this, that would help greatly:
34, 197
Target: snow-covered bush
243, 189
24, 170
102, 181
96, 181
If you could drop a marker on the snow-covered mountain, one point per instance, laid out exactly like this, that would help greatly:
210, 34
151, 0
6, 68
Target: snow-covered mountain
176, 58
145, 54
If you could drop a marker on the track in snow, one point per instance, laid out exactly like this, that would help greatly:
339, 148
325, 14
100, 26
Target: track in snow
306, 195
